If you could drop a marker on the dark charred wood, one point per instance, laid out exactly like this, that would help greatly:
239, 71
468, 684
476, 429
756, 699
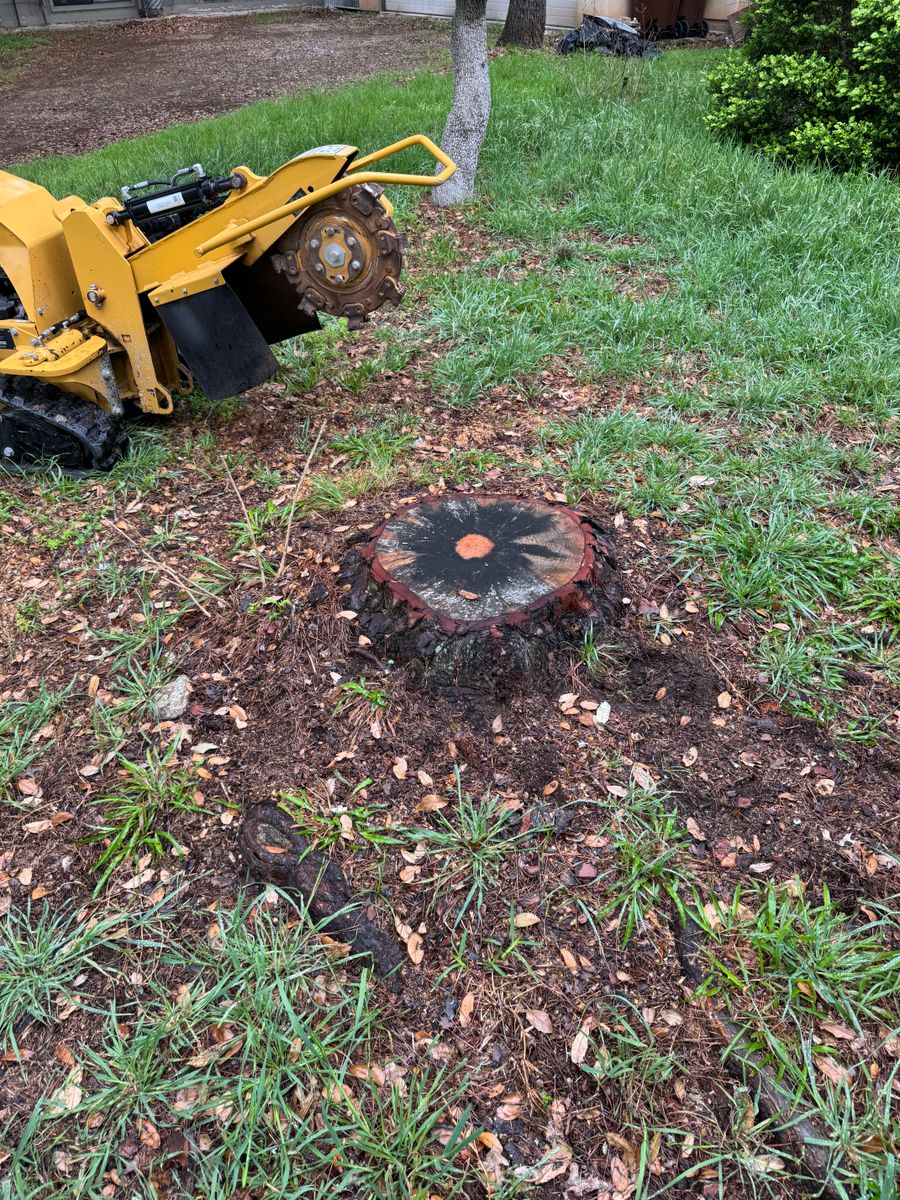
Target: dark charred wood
482, 593
274, 852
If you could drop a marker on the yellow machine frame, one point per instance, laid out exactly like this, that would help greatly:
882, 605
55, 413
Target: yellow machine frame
64, 259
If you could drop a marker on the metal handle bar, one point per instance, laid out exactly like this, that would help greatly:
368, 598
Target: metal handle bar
354, 174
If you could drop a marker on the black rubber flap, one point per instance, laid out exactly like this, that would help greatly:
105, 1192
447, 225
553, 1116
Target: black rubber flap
218, 342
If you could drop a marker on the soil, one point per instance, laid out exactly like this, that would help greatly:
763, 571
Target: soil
63, 99
762, 794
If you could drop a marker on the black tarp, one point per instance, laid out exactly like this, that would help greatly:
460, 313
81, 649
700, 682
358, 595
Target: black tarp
606, 35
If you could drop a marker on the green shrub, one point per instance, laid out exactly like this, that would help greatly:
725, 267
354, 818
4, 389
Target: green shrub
817, 81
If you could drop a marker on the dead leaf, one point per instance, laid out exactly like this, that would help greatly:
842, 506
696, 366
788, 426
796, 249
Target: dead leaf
524, 919
69, 1095
539, 1020
690, 756
836, 1029
415, 947
400, 767
430, 803
569, 959
466, 1006
831, 1069
724, 699
694, 830
497, 724
510, 1108
149, 1135
581, 1042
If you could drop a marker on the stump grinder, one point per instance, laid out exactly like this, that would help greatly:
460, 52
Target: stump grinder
180, 282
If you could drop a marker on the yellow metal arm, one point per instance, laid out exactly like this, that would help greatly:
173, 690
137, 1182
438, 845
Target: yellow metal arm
356, 173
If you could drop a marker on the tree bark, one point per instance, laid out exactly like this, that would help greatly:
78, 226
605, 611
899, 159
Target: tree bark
524, 25
467, 122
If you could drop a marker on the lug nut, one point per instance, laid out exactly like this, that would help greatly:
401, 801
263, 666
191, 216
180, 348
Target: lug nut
355, 265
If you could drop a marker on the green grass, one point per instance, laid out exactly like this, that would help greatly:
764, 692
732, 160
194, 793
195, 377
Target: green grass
49, 957
737, 387
17, 51
767, 362
135, 810
265, 1054
646, 872
470, 848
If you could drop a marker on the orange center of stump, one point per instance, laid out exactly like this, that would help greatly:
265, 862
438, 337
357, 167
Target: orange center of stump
474, 545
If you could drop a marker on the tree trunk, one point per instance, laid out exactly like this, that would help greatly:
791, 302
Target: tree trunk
467, 123
482, 595
524, 26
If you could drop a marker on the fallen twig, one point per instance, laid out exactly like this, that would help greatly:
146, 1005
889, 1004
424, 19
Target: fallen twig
295, 497
254, 542
166, 570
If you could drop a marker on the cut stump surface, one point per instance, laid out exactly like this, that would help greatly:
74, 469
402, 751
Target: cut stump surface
481, 590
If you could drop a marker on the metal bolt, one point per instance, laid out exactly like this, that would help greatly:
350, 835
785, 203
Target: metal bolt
338, 279
334, 255
355, 265
351, 242
15, 333
329, 231
319, 268
314, 244
184, 291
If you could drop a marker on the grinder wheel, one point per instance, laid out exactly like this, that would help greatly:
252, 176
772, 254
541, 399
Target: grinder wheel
343, 256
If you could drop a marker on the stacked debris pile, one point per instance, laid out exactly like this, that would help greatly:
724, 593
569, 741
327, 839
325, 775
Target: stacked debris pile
607, 36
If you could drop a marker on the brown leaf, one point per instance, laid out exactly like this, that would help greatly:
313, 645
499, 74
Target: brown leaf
831, 1069
694, 830
41, 826
539, 1020
400, 767
581, 1042
415, 947
275, 849
569, 959
466, 1006
836, 1029
724, 700
430, 803
149, 1135
510, 1108
524, 919
690, 756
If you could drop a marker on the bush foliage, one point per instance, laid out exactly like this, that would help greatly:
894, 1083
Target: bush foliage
818, 80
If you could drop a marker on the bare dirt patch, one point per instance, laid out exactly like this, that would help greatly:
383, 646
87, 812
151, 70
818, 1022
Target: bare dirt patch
102, 83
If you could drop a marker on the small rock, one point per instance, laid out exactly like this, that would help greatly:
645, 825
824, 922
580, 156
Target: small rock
171, 701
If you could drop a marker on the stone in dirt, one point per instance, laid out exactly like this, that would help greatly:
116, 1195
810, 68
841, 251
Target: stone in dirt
171, 701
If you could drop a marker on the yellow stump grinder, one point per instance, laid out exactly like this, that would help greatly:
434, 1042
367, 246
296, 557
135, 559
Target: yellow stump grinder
180, 282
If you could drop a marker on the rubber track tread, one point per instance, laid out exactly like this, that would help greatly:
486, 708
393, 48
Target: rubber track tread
100, 434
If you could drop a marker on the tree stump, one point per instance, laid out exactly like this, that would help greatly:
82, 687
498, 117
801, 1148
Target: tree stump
483, 593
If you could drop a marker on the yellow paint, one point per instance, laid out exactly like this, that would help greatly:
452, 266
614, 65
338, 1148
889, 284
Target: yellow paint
64, 258
63, 355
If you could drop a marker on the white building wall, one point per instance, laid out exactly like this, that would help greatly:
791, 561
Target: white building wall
561, 14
